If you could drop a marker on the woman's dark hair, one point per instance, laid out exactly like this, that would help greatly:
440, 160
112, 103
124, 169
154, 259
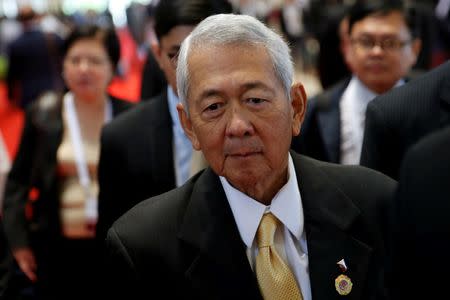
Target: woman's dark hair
172, 13
106, 35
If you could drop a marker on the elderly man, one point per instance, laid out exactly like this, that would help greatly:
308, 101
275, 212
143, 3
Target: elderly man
383, 46
260, 222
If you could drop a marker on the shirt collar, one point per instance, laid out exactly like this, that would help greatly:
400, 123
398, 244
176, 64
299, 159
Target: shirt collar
357, 95
286, 206
364, 92
360, 92
173, 100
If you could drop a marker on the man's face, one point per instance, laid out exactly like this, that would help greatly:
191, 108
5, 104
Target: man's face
381, 50
166, 52
240, 116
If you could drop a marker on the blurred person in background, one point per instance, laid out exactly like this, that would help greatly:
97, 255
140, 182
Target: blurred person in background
333, 40
33, 61
383, 46
145, 152
153, 79
50, 204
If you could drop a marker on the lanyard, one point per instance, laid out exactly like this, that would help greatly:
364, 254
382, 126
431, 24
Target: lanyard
80, 158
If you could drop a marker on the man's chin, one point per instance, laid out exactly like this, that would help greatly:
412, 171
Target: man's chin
243, 180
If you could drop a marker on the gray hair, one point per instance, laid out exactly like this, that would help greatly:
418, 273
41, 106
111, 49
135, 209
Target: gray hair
225, 29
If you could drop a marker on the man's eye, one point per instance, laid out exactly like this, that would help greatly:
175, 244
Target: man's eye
256, 100
74, 60
213, 106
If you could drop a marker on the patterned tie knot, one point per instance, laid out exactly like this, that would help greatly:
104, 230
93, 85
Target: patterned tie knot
266, 230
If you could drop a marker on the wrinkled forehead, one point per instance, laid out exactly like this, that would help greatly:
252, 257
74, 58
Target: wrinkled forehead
214, 46
229, 52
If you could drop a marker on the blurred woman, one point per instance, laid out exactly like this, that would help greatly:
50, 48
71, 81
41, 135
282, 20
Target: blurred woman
51, 191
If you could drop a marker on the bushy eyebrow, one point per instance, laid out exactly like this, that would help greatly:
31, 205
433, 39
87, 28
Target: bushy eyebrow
245, 87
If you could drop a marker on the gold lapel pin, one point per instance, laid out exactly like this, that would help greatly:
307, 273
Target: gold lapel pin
343, 283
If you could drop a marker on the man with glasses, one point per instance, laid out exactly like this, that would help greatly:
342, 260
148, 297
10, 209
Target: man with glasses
383, 46
146, 153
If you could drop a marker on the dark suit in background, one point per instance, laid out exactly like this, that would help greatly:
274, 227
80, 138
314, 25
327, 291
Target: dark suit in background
421, 216
401, 117
320, 135
153, 80
136, 160
334, 123
197, 252
34, 66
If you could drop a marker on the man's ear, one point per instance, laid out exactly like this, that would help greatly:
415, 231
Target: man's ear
157, 53
298, 102
187, 126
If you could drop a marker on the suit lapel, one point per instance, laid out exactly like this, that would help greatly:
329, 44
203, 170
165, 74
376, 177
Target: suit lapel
329, 121
329, 214
221, 269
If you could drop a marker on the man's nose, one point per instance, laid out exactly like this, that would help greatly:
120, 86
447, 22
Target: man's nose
84, 65
239, 123
377, 50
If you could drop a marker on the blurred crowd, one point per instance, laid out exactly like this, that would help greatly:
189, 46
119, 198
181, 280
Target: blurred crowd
313, 28
54, 65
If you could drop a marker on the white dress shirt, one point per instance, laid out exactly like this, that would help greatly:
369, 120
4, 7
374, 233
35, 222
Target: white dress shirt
353, 107
290, 238
182, 147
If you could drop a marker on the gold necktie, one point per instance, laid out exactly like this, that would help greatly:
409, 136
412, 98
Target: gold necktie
275, 279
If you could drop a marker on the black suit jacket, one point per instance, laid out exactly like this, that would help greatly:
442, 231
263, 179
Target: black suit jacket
398, 119
420, 261
33, 66
136, 160
185, 244
35, 169
320, 135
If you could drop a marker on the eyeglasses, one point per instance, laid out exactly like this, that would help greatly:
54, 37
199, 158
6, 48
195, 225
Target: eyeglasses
389, 45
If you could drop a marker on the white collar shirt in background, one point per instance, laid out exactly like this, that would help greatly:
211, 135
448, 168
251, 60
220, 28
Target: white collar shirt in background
290, 238
182, 147
353, 107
